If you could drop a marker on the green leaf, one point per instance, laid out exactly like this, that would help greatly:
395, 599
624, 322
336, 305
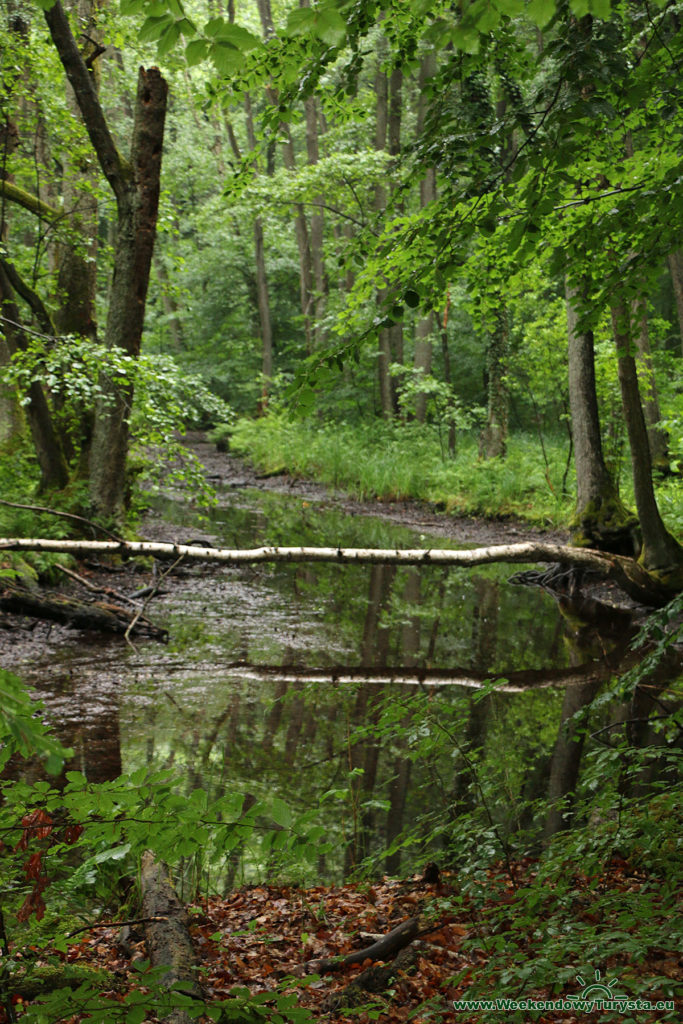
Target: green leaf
280, 812
466, 38
300, 22
196, 52
412, 298
601, 9
128, 7
331, 27
169, 39
154, 28
237, 36
226, 58
541, 11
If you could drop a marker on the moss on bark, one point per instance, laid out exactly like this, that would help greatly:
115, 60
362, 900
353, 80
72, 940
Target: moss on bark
606, 524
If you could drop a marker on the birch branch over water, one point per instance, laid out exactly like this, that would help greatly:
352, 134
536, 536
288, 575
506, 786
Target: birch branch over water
625, 572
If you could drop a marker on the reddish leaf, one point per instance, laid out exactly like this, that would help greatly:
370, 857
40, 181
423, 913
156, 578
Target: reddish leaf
34, 865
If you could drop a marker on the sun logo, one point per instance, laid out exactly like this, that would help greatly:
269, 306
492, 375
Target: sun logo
597, 991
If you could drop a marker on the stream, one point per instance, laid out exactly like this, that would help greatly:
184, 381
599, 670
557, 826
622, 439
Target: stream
356, 693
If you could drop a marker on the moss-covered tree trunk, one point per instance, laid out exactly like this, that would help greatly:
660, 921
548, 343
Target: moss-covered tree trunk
601, 520
661, 555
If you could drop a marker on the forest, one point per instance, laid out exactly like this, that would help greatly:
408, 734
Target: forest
341, 510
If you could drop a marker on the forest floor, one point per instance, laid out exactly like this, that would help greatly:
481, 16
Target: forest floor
266, 939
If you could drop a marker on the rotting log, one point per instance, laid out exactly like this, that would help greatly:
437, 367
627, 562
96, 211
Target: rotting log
167, 934
384, 949
623, 571
374, 979
96, 615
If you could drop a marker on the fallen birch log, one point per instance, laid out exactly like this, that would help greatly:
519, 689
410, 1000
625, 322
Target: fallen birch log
625, 572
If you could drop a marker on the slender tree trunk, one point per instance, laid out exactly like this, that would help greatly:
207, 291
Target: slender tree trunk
661, 553
566, 759
676, 268
317, 223
402, 765
425, 325
171, 311
600, 520
262, 296
53, 468
493, 441
77, 262
394, 148
658, 438
380, 203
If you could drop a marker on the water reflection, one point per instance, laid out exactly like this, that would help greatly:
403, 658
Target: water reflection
361, 690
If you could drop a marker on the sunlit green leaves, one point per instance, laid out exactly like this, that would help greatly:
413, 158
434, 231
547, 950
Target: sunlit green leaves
21, 730
323, 22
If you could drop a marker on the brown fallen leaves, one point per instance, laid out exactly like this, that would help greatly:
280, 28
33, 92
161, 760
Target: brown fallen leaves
260, 935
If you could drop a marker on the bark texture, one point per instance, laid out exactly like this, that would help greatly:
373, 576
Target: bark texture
168, 939
600, 520
136, 188
661, 553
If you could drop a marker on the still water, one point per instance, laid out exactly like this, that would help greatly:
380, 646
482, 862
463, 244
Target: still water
356, 691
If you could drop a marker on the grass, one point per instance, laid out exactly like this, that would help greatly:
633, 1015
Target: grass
396, 461
390, 462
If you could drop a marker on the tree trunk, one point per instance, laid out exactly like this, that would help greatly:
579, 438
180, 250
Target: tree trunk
657, 436
317, 223
425, 325
170, 305
167, 933
493, 441
566, 759
77, 261
384, 359
676, 268
262, 296
136, 188
661, 554
54, 472
600, 520
625, 572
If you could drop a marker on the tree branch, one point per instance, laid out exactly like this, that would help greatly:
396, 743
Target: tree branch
114, 167
29, 202
633, 579
29, 296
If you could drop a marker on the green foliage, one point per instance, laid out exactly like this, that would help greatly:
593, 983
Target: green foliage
83, 838
166, 400
21, 730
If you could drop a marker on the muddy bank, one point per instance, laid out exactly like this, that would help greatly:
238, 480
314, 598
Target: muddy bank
229, 472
